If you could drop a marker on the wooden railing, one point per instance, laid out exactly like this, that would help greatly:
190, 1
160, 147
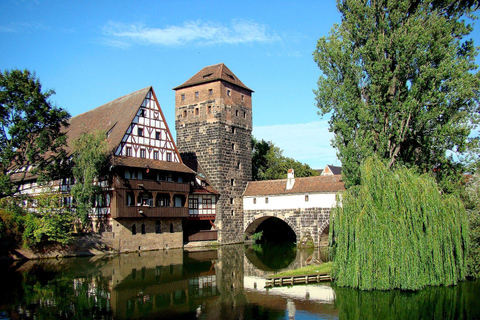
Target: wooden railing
152, 185
149, 212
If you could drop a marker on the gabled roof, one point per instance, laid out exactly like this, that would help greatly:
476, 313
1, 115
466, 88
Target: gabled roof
335, 170
317, 184
213, 73
113, 117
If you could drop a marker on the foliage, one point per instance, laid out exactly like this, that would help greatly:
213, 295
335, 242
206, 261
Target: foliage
89, 157
30, 132
50, 222
400, 81
257, 236
12, 217
268, 163
396, 230
473, 199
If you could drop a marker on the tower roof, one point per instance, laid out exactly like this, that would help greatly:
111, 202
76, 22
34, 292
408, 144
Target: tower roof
213, 73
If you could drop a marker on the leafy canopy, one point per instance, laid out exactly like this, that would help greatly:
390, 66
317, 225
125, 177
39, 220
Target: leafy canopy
397, 230
268, 162
89, 158
29, 128
399, 81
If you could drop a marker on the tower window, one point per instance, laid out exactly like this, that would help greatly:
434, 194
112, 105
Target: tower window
209, 108
239, 165
233, 129
244, 115
266, 200
140, 132
196, 111
236, 113
233, 146
184, 113
231, 201
196, 94
183, 96
210, 91
243, 97
306, 197
229, 92
232, 182
254, 200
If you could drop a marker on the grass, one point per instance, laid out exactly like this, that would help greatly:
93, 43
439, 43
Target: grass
312, 269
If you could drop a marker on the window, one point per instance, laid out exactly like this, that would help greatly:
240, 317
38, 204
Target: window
231, 200
233, 130
155, 155
158, 227
142, 228
193, 203
233, 146
130, 199
244, 115
142, 112
232, 182
236, 113
207, 203
134, 229
196, 94
171, 228
183, 96
142, 153
210, 91
266, 200
184, 113
140, 132
243, 97
228, 92
239, 165
169, 156
306, 197
209, 109
158, 135
129, 151
196, 111
254, 200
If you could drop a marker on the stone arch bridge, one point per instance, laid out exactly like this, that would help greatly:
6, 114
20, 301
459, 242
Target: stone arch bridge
308, 224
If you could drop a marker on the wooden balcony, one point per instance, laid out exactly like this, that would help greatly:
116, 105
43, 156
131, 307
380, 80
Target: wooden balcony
151, 185
149, 212
203, 235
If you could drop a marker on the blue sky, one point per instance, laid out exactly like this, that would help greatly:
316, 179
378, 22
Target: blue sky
92, 52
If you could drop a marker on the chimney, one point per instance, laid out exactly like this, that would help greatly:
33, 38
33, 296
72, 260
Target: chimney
290, 179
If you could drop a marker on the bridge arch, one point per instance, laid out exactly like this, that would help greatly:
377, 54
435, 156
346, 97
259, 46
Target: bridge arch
254, 221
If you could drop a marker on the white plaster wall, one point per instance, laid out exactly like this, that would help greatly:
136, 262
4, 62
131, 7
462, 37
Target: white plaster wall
291, 201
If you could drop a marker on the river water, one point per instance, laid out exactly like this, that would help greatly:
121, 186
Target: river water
223, 283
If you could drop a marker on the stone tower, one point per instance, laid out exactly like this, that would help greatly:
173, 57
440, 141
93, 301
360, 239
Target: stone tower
213, 120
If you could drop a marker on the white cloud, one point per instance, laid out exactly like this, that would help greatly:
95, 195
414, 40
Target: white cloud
197, 32
309, 143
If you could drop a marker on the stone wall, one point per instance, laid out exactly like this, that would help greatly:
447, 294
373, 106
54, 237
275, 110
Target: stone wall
308, 224
123, 240
214, 137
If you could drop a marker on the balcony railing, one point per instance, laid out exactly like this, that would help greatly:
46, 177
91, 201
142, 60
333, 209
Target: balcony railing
152, 185
149, 212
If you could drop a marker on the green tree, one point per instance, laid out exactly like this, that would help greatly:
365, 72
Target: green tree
89, 158
50, 222
400, 81
30, 132
268, 163
397, 230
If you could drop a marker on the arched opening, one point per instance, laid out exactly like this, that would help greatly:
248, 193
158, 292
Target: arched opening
142, 228
272, 230
158, 226
171, 228
134, 229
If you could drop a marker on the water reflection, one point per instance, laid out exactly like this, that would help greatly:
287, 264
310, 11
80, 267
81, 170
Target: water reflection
227, 283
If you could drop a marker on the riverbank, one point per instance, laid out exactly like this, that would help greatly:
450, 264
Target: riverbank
314, 269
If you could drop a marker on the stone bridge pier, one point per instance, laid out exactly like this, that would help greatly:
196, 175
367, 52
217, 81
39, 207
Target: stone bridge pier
308, 224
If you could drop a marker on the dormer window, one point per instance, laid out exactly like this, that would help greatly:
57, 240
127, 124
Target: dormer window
207, 75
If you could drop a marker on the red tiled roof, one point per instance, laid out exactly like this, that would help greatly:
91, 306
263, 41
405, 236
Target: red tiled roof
213, 73
152, 164
319, 184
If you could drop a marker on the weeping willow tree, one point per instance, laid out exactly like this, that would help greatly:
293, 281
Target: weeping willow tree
396, 230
